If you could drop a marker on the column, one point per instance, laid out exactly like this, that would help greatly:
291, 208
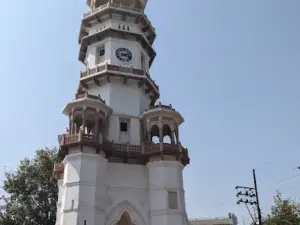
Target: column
149, 131
172, 136
71, 123
97, 126
161, 134
165, 186
85, 190
177, 135
83, 121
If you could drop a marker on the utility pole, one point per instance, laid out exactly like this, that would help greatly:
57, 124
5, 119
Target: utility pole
249, 195
257, 201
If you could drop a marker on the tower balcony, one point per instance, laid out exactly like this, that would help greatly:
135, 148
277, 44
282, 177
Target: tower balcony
58, 171
163, 112
122, 153
107, 70
163, 121
104, 12
113, 5
87, 102
165, 149
131, 5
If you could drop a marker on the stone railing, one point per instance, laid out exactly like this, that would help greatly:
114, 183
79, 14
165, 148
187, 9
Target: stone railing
140, 152
111, 4
170, 148
160, 106
69, 139
58, 168
110, 67
66, 139
127, 148
87, 95
115, 68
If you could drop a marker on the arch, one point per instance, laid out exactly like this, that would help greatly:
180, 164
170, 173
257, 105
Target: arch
154, 134
124, 209
167, 134
167, 130
125, 219
155, 139
167, 139
154, 131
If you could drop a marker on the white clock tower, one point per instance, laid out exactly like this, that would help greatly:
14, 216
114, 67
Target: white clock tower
113, 172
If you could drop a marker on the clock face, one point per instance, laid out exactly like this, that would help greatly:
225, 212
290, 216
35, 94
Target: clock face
124, 55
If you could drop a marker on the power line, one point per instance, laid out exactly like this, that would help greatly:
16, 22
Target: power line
288, 178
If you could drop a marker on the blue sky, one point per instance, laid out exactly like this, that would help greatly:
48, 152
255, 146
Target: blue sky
230, 67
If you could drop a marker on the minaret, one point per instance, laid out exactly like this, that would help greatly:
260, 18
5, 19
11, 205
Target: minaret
112, 171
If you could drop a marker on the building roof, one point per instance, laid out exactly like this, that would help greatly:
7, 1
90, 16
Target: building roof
212, 221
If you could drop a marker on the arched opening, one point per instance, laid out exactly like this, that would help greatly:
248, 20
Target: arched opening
167, 140
90, 124
167, 134
155, 134
155, 140
125, 219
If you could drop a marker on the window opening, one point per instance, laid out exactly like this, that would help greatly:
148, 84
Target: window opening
124, 127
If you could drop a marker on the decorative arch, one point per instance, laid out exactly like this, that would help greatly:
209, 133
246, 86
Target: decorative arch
125, 219
155, 134
123, 211
167, 134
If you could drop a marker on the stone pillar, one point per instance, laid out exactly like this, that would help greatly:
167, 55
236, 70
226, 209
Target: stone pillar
172, 136
97, 126
83, 121
165, 187
161, 134
149, 131
177, 135
71, 123
84, 194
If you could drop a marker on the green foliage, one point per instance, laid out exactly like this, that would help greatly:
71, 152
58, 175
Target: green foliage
31, 193
283, 212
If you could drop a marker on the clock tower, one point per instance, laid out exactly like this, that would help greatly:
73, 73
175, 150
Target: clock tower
113, 171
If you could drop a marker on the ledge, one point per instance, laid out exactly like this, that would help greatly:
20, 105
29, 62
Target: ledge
162, 110
133, 73
122, 9
125, 152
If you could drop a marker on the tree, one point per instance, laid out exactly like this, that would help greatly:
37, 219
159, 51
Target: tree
31, 192
283, 212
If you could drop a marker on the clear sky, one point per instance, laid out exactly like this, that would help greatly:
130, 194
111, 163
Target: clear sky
230, 67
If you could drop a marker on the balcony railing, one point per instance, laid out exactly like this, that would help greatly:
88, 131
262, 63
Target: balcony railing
115, 68
71, 139
110, 67
115, 5
125, 151
59, 168
161, 106
87, 95
167, 148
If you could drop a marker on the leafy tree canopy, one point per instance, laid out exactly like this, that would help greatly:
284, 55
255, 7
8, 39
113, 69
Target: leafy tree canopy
31, 194
284, 211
